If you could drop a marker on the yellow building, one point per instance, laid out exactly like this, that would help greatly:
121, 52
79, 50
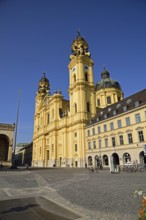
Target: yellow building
117, 135
24, 154
60, 126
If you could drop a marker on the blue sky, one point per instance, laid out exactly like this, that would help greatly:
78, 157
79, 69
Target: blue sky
36, 37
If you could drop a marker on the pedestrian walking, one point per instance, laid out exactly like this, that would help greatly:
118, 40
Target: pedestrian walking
1, 166
27, 166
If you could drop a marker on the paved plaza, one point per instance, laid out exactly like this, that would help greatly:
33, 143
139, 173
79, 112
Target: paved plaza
69, 193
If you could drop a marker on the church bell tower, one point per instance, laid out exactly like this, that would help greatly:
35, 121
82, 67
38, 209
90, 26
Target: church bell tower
81, 87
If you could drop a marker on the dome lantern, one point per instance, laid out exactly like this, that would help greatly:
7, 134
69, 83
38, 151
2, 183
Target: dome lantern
79, 46
44, 85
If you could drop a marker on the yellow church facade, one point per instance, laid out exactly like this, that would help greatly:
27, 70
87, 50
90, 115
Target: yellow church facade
60, 126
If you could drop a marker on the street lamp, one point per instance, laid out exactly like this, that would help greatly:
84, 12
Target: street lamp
100, 159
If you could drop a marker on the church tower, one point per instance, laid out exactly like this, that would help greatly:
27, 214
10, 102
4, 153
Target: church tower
43, 90
42, 93
82, 97
81, 85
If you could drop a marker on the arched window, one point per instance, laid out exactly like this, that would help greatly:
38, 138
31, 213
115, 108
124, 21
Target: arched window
98, 102
74, 77
75, 107
108, 100
88, 107
52, 113
86, 77
126, 158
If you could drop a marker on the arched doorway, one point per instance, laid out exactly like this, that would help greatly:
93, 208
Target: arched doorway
105, 160
142, 157
4, 147
97, 161
114, 163
115, 159
126, 158
90, 161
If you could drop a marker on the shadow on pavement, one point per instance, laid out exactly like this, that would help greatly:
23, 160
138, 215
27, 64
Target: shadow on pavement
34, 208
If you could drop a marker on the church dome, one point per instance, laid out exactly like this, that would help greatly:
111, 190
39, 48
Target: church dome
44, 85
107, 82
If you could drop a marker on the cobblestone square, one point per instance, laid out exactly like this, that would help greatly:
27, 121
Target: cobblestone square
100, 195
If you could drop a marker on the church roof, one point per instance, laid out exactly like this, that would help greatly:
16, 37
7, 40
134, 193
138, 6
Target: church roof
123, 106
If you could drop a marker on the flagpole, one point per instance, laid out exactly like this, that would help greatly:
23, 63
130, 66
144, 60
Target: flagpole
16, 127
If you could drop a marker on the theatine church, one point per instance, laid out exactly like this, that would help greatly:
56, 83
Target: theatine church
96, 123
